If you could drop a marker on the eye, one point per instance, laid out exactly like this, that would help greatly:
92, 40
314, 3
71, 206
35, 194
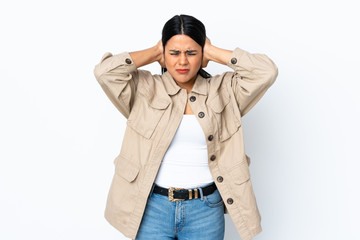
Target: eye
174, 54
191, 52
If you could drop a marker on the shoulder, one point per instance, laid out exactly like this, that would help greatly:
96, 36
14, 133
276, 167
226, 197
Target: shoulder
220, 81
150, 79
150, 84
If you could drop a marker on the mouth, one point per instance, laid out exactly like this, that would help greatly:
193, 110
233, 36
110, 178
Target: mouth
182, 71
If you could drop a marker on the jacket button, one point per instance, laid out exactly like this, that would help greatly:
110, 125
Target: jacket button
230, 201
128, 61
233, 60
192, 98
213, 157
210, 137
220, 179
201, 114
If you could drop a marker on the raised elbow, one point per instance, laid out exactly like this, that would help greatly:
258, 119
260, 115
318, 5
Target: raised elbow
97, 72
100, 68
273, 74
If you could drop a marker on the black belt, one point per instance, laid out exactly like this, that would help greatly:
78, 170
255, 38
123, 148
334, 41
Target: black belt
181, 194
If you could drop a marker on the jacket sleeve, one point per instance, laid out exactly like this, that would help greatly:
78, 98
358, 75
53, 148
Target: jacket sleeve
254, 74
118, 78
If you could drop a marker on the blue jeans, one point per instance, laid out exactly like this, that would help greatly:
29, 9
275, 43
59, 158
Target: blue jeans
195, 219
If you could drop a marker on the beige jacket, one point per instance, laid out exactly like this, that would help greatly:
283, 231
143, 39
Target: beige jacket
154, 106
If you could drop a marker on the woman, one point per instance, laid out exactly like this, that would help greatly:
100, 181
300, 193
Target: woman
183, 150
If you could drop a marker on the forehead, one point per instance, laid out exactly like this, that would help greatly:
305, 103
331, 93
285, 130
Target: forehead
182, 42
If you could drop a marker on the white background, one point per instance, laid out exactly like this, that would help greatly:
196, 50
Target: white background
59, 133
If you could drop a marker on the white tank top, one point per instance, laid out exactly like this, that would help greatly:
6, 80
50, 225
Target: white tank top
185, 164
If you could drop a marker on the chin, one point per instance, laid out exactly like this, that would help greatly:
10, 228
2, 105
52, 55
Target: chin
183, 79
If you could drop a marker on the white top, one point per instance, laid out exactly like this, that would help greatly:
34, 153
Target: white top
185, 164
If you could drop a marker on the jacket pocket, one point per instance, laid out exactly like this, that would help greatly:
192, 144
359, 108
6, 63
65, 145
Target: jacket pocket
223, 111
146, 114
126, 167
240, 172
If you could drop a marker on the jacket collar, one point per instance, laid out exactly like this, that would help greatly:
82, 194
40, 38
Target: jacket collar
200, 85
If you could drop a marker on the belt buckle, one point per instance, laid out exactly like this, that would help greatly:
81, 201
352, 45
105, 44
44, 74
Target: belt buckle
171, 194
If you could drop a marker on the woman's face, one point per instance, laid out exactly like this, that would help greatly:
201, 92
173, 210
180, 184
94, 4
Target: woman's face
183, 58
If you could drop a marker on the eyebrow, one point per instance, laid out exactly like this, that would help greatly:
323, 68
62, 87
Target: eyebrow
187, 51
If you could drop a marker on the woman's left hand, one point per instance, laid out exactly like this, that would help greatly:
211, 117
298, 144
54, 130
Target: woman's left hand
206, 57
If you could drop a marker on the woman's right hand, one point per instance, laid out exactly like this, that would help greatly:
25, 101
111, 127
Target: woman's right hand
161, 59
150, 55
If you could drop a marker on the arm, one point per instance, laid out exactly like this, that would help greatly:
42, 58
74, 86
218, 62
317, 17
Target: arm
149, 55
119, 77
215, 54
253, 73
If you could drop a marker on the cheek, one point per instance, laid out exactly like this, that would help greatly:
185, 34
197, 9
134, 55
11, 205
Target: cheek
196, 63
168, 62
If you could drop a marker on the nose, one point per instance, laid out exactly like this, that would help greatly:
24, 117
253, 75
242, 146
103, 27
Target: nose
183, 59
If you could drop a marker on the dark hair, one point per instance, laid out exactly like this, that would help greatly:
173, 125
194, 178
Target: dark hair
187, 25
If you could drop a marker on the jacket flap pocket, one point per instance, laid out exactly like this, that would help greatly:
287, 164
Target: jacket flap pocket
240, 172
225, 114
159, 103
126, 168
146, 114
154, 100
219, 102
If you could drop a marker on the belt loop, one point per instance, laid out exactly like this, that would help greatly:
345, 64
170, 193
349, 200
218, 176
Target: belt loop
201, 193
